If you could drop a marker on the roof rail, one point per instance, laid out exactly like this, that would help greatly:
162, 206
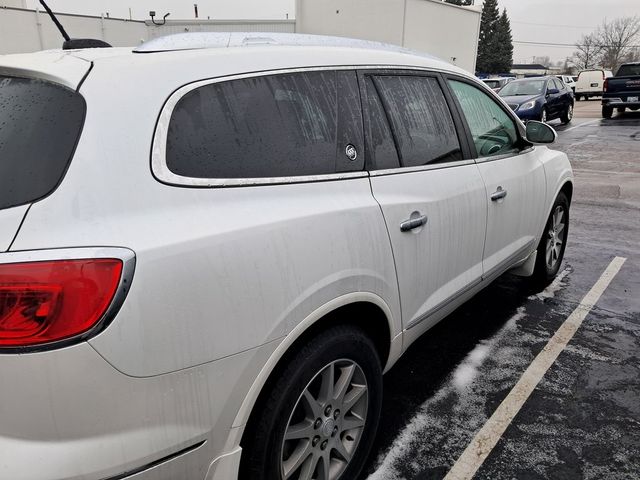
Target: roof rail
200, 40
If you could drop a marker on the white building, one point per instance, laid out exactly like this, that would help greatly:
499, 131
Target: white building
432, 26
442, 29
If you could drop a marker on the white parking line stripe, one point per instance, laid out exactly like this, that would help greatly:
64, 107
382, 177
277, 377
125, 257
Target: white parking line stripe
586, 124
480, 447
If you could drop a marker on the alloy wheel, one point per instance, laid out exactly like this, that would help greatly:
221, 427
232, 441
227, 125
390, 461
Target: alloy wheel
326, 424
570, 112
555, 237
543, 119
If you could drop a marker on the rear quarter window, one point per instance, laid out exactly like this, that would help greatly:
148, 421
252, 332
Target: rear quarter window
40, 123
270, 126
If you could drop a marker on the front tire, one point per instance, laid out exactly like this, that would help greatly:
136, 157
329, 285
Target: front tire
543, 116
553, 242
567, 116
319, 418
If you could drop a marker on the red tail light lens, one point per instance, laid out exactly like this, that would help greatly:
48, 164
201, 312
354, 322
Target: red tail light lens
606, 84
49, 301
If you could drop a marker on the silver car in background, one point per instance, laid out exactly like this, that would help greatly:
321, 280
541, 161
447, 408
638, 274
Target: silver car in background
212, 247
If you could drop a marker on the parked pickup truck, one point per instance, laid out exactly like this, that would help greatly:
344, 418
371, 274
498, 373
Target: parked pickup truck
622, 91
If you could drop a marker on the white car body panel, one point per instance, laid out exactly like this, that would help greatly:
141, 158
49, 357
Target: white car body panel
227, 279
512, 222
10, 220
444, 256
591, 82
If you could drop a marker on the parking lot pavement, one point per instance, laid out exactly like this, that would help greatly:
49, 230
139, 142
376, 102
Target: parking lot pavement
582, 420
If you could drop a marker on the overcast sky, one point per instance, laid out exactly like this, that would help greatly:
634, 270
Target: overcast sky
544, 21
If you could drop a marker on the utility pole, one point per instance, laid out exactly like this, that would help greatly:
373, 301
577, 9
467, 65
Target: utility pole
195, 9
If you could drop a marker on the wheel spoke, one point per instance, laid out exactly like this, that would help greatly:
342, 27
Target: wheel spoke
352, 397
342, 451
309, 467
327, 384
549, 249
351, 422
325, 466
343, 383
300, 430
297, 458
560, 229
311, 404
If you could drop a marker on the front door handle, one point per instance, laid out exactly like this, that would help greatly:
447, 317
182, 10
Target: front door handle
498, 194
413, 223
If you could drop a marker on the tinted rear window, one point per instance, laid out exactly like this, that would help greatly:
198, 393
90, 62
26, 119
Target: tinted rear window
39, 127
271, 126
628, 70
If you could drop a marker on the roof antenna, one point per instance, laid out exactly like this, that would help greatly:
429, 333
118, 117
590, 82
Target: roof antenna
73, 43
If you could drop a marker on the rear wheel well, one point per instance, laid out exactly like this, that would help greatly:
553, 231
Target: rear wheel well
367, 316
567, 189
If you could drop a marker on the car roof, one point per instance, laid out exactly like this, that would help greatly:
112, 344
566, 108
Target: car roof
208, 55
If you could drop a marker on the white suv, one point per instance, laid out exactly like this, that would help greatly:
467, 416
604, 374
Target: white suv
212, 247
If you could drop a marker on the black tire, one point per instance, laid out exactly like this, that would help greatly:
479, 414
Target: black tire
544, 272
544, 116
607, 112
578, 98
263, 446
567, 115
621, 109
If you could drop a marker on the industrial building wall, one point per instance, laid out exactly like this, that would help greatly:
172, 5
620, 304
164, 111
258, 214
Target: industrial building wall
181, 26
28, 31
441, 29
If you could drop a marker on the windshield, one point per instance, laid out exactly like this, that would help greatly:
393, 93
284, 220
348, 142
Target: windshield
629, 71
39, 126
492, 83
523, 87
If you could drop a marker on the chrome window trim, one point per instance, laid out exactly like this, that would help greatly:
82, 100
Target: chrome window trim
505, 155
162, 173
128, 258
421, 168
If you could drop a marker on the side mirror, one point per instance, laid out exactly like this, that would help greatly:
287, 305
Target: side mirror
538, 132
552, 91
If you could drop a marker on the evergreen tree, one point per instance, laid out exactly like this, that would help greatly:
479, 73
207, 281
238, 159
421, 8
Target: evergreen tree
487, 42
504, 45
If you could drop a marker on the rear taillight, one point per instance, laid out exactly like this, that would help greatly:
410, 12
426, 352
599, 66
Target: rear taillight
606, 84
49, 301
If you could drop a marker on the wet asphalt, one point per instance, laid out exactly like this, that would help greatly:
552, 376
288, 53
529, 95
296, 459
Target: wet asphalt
583, 419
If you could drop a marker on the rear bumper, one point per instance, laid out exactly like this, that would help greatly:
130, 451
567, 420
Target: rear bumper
69, 415
617, 102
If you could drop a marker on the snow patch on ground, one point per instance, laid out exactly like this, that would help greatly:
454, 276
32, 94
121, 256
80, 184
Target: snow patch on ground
467, 370
427, 420
447, 421
555, 286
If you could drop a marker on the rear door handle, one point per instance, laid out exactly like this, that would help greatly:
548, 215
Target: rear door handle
498, 194
413, 223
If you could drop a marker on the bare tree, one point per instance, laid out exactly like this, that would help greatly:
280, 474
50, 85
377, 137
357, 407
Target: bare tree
589, 51
618, 39
544, 61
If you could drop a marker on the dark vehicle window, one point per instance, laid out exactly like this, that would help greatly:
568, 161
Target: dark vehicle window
629, 70
420, 119
523, 87
380, 147
493, 131
557, 84
271, 126
40, 123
